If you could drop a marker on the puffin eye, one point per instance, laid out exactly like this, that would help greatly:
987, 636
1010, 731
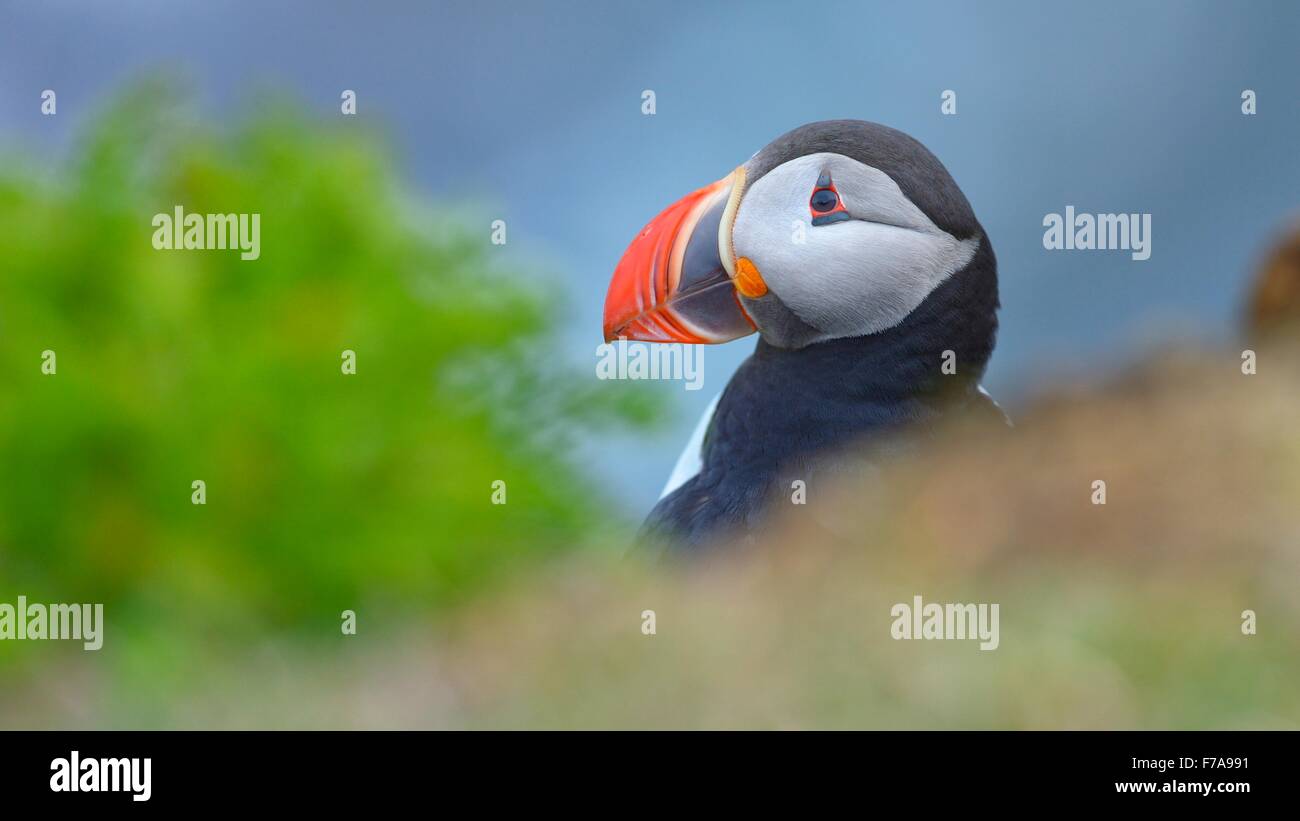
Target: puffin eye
824, 199
825, 203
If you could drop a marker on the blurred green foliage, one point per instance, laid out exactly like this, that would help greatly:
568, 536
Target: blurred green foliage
325, 491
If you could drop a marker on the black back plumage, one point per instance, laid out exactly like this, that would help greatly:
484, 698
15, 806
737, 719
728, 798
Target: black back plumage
784, 411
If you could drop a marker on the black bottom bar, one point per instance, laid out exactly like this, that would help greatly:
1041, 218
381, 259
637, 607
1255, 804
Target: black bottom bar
329, 769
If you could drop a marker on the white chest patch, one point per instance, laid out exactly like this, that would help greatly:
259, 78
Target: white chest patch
691, 460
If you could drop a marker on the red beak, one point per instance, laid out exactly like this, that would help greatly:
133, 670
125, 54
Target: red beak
672, 284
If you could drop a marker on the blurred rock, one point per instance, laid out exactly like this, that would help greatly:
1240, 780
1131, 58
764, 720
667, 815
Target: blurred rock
1275, 302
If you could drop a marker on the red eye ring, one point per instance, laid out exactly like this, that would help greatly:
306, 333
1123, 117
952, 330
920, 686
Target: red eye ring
826, 205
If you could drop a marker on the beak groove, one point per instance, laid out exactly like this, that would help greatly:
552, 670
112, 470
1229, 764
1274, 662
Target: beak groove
673, 283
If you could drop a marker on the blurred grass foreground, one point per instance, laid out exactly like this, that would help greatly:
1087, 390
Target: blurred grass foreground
324, 491
1172, 605
1130, 614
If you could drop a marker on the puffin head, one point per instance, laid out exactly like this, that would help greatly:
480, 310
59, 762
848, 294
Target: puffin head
836, 229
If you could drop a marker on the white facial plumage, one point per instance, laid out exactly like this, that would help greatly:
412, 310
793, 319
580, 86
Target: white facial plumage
850, 278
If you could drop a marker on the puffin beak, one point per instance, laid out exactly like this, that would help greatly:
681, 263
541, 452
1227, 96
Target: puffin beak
674, 282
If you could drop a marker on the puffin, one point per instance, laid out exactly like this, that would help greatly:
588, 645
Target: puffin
848, 248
